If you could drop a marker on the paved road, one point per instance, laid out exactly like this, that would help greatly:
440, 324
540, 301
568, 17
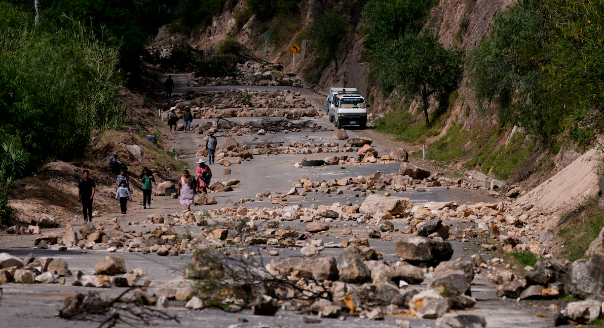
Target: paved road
35, 306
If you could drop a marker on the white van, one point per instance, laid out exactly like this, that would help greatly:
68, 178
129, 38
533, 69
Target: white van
347, 107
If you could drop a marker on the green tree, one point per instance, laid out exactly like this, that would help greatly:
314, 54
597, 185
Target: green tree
327, 32
387, 20
543, 63
420, 66
267, 9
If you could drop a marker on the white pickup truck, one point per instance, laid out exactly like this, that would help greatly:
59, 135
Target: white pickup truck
347, 107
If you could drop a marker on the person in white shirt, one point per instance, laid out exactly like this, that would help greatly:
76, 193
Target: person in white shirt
123, 194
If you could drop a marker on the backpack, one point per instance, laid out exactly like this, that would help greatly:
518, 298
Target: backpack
206, 176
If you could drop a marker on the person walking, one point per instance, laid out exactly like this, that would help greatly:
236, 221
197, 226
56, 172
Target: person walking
123, 176
186, 189
204, 176
188, 117
211, 144
123, 194
172, 119
169, 86
147, 179
86, 190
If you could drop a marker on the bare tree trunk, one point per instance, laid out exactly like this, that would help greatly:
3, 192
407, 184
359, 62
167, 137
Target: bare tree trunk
37, 9
425, 103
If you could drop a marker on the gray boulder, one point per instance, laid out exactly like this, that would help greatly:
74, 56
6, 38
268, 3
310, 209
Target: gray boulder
379, 203
419, 250
584, 311
351, 266
413, 171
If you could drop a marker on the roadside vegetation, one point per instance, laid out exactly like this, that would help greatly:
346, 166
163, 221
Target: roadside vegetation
57, 84
579, 228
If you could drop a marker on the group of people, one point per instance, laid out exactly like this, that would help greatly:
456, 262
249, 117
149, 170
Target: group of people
173, 118
189, 186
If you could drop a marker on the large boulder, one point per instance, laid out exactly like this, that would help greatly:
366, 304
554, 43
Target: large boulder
160, 190
318, 268
70, 238
351, 266
367, 150
584, 311
50, 237
58, 267
545, 272
9, 261
265, 305
586, 277
340, 135
316, 227
229, 144
420, 250
110, 266
452, 284
380, 203
431, 226
284, 266
399, 154
464, 267
48, 221
204, 199
383, 273
413, 171
510, 289
359, 142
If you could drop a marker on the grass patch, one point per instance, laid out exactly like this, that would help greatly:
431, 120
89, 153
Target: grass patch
597, 323
450, 146
525, 258
571, 298
408, 127
580, 228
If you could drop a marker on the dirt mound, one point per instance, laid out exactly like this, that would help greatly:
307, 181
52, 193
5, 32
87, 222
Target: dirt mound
569, 187
61, 169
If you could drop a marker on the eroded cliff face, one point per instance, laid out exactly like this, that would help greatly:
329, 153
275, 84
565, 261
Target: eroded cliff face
459, 23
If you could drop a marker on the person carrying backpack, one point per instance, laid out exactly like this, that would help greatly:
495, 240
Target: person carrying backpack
172, 119
204, 176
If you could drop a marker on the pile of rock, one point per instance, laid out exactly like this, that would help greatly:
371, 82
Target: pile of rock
31, 269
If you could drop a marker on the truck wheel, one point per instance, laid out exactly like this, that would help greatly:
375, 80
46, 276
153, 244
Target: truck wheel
363, 125
330, 118
338, 125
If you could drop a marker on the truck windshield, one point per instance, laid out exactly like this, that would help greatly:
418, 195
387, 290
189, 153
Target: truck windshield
352, 103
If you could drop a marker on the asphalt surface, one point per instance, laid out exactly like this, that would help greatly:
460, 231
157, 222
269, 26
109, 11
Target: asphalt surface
36, 305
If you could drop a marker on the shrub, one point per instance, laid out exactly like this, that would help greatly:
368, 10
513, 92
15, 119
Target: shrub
57, 86
327, 31
267, 9
217, 66
545, 73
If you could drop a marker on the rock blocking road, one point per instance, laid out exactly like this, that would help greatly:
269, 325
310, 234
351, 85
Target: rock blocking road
354, 212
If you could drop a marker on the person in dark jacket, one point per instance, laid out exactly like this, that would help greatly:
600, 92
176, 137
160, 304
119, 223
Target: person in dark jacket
114, 165
211, 144
169, 86
86, 190
188, 117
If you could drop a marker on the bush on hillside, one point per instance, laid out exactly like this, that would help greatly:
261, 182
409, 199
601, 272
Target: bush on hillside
419, 66
57, 86
267, 9
545, 73
217, 66
327, 32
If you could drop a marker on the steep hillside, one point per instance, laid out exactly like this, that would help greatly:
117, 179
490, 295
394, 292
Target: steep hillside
466, 135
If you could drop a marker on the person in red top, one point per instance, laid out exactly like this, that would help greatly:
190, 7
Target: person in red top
204, 175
